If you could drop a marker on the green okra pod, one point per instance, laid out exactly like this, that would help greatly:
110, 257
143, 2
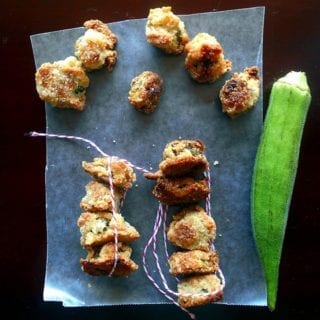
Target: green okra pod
275, 172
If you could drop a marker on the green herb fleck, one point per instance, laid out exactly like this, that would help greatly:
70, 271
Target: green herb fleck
179, 36
79, 89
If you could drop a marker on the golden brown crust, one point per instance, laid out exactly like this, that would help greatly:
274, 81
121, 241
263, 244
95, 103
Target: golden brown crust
199, 290
181, 148
122, 174
166, 31
145, 91
100, 260
98, 197
98, 228
62, 83
95, 48
192, 229
183, 166
240, 93
193, 262
101, 27
183, 157
205, 59
181, 190
253, 72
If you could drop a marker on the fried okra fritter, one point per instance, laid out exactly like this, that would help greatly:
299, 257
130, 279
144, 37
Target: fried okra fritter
98, 197
205, 60
100, 260
145, 91
193, 262
199, 290
178, 177
192, 229
98, 228
122, 174
62, 83
166, 31
174, 191
96, 48
182, 157
240, 93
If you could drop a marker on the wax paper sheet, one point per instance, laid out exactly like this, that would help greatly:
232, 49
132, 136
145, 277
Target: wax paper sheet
187, 110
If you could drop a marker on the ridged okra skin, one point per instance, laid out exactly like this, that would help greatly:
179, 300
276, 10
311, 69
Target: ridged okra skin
275, 172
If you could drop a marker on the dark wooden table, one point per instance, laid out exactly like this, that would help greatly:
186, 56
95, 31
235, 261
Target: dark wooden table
291, 42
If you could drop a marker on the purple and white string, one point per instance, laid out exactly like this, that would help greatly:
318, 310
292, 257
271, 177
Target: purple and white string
109, 159
160, 220
62, 136
166, 291
114, 217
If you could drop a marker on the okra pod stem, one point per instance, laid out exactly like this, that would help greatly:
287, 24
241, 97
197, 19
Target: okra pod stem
275, 172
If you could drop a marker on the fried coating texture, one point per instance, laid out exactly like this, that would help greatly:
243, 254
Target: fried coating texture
205, 60
122, 174
193, 262
98, 228
95, 48
180, 158
100, 260
62, 83
183, 157
199, 290
240, 93
166, 31
101, 27
172, 191
192, 229
145, 91
98, 197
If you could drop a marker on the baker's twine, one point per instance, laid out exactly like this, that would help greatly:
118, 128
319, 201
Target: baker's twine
160, 220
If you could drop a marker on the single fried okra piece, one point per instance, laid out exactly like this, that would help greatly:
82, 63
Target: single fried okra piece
183, 157
174, 191
192, 229
166, 31
98, 197
98, 228
95, 48
145, 91
100, 260
205, 60
199, 290
193, 262
122, 174
62, 83
240, 93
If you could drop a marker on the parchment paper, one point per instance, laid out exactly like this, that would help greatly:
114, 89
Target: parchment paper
188, 110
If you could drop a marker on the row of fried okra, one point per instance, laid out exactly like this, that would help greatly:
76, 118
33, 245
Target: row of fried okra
204, 61
98, 223
180, 181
